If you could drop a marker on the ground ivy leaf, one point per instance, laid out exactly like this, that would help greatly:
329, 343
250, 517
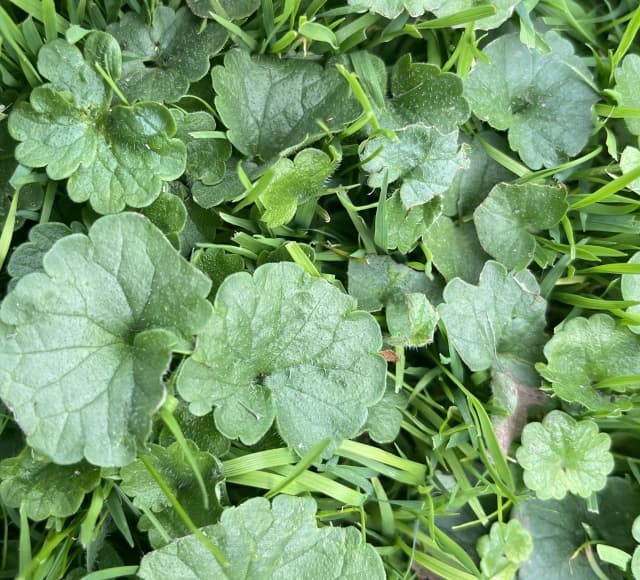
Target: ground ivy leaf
228, 188
291, 182
376, 280
558, 531
423, 158
503, 317
541, 98
263, 540
471, 186
627, 86
169, 214
217, 265
561, 455
206, 158
161, 59
271, 105
287, 345
112, 156
506, 219
405, 227
455, 249
172, 464
504, 10
585, 352
392, 8
234, 9
411, 320
422, 93
85, 344
385, 417
630, 286
45, 489
504, 549
629, 160
27, 257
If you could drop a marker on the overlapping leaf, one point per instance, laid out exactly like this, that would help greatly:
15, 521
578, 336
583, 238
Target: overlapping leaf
113, 156
282, 344
628, 88
84, 345
392, 8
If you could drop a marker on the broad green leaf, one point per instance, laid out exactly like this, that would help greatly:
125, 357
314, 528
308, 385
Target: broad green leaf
542, 99
169, 215
289, 183
585, 352
500, 319
285, 345
392, 8
559, 535
84, 345
385, 417
405, 227
162, 58
234, 9
423, 158
508, 217
504, 549
103, 49
504, 9
206, 157
177, 474
46, 489
217, 264
635, 562
113, 156
629, 160
272, 105
471, 186
627, 88
561, 455
455, 249
422, 93
27, 257
279, 541
376, 280
228, 188
411, 319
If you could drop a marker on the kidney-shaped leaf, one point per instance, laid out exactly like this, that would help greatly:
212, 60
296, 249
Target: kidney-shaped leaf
83, 346
113, 156
392, 8
506, 219
260, 540
423, 158
563, 455
628, 88
284, 344
541, 98
270, 105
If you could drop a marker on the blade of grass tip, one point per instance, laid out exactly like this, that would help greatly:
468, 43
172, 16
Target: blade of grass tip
434, 565
503, 159
24, 543
359, 223
88, 525
170, 421
12, 35
49, 20
608, 190
166, 538
116, 511
117, 572
236, 31
300, 258
628, 36
184, 516
309, 458
7, 229
36, 9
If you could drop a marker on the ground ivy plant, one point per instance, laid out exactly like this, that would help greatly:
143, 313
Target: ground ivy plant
319, 288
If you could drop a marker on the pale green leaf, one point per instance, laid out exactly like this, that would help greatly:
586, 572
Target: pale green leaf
217, 264
422, 93
405, 227
628, 88
584, 352
392, 8
271, 105
278, 541
504, 549
285, 345
386, 416
542, 99
84, 345
45, 489
161, 59
411, 319
234, 9
507, 219
630, 160
423, 158
630, 287
561, 455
